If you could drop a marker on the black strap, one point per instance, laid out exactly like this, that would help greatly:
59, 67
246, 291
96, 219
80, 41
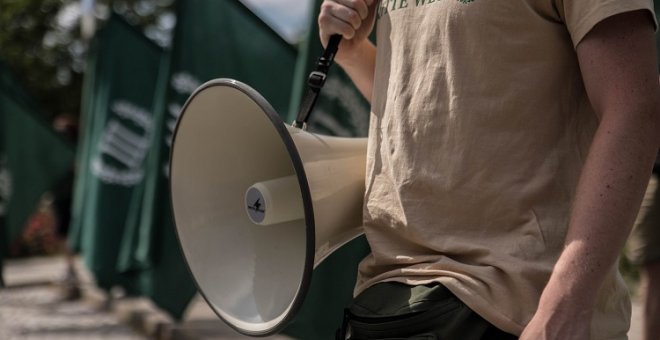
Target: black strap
316, 80
343, 332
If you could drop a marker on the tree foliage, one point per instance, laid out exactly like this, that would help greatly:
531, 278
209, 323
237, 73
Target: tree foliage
41, 43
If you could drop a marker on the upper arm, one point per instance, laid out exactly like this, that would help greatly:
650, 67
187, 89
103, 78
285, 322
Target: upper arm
618, 64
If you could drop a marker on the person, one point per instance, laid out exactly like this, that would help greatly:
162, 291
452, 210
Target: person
62, 195
644, 251
510, 143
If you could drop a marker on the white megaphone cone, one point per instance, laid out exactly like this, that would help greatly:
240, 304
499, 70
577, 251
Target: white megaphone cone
258, 204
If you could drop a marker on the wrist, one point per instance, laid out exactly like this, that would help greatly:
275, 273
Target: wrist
571, 285
559, 297
354, 57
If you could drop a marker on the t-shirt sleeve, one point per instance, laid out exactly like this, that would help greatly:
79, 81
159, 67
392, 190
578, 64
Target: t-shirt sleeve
580, 16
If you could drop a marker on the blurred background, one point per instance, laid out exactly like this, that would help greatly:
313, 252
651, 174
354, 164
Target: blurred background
90, 91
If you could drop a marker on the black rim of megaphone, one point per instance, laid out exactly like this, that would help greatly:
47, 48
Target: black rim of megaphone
281, 129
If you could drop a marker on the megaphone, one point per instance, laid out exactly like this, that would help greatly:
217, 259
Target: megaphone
258, 204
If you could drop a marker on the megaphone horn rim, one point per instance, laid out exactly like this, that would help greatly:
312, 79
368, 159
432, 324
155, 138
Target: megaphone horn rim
299, 169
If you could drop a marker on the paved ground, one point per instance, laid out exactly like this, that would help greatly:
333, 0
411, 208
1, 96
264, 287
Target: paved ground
37, 313
31, 308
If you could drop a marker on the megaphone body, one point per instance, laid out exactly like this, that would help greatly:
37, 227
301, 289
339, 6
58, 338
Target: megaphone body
258, 204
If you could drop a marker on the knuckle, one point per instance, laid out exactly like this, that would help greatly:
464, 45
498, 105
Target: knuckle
323, 16
354, 17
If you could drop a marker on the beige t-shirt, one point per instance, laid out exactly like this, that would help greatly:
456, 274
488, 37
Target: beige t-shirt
480, 126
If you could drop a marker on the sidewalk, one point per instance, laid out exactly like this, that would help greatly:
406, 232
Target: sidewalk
30, 308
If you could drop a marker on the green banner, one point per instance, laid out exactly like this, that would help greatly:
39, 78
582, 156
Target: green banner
656, 8
120, 98
213, 39
32, 157
5, 177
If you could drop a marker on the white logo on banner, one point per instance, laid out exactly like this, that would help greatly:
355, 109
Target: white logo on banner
126, 144
5, 188
184, 84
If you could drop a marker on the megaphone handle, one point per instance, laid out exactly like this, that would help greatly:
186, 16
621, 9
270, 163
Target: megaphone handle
331, 50
316, 81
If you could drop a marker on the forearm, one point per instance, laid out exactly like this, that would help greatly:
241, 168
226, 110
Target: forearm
361, 68
618, 66
608, 196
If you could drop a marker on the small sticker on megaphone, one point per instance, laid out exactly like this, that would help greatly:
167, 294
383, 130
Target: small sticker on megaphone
256, 205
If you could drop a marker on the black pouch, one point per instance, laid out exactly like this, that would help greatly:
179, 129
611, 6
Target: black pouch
396, 311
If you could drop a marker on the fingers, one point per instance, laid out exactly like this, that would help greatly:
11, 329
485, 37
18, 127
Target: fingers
343, 16
359, 6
